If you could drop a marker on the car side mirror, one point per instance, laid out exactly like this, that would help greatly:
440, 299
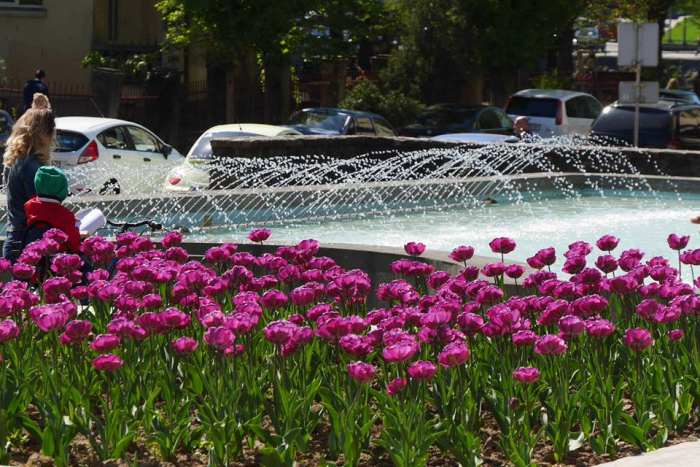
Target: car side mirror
167, 150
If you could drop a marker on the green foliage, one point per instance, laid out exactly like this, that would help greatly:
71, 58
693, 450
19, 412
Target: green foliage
552, 80
396, 107
131, 66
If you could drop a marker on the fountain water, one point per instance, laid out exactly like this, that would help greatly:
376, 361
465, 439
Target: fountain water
379, 188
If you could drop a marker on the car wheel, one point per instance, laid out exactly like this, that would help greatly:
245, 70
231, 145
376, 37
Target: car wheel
111, 187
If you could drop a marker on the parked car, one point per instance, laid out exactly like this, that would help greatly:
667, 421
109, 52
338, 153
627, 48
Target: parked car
109, 156
588, 38
455, 118
6, 124
662, 125
324, 121
194, 173
485, 138
679, 96
555, 112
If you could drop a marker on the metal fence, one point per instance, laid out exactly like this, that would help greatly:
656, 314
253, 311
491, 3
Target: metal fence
67, 99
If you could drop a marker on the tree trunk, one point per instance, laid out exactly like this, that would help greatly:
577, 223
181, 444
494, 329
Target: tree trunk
472, 89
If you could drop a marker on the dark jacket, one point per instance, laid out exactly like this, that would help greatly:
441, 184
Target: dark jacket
19, 188
52, 212
33, 86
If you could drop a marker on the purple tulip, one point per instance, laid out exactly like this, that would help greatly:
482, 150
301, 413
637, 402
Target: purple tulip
361, 371
259, 235
219, 338
454, 354
184, 345
550, 345
332, 329
241, 323
675, 335
216, 255
503, 245
493, 270
526, 374
402, 351
172, 239
8, 331
414, 249
515, 271
535, 263
462, 254
599, 327
107, 362
396, 386
422, 370
546, 256
78, 331
51, 320
607, 263
489, 295
622, 285
355, 345
574, 264
607, 243
638, 339
105, 343
677, 243
280, 332
273, 299
65, 263
470, 323
22, 271
571, 326
525, 338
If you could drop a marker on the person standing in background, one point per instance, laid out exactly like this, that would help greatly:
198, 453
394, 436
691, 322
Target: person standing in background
34, 86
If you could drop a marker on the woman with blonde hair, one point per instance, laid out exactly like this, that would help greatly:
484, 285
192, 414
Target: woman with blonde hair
27, 149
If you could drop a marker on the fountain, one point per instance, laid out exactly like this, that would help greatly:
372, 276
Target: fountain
542, 193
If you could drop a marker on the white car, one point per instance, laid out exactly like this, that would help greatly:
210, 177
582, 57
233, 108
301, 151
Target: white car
554, 112
194, 173
108, 156
484, 138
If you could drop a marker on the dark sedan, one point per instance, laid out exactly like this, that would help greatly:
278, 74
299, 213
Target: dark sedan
662, 125
443, 119
324, 121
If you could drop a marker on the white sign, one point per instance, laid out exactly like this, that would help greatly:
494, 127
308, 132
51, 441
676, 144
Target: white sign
638, 43
648, 92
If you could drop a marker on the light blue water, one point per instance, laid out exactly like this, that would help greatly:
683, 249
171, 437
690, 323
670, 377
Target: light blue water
641, 220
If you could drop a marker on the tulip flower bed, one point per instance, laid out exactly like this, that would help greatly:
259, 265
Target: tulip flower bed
278, 357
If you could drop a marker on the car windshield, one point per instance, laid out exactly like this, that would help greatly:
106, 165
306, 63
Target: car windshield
318, 119
532, 107
202, 149
441, 118
68, 141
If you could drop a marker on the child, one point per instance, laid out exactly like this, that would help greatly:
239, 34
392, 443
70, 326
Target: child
45, 211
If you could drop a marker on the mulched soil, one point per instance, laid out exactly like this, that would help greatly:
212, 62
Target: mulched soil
83, 455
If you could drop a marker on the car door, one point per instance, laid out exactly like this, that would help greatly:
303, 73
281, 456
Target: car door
144, 160
383, 127
505, 121
488, 122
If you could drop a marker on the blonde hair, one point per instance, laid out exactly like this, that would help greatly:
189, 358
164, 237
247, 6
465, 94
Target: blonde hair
32, 134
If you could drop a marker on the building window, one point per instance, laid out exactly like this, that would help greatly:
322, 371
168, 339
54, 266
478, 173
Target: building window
113, 20
21, 3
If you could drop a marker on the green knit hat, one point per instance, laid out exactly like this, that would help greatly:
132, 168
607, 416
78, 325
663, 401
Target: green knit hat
51, 181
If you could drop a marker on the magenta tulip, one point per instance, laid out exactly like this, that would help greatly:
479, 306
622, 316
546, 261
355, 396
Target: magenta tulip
361, 371
462, 254
607, 243
677, 243
107, 362
503, 245
400, 352
259, 235
422, 370
638, 339
414, 249
454, 354
8, 331
184, 345
396, 386
550, 345
219, 338
526, 374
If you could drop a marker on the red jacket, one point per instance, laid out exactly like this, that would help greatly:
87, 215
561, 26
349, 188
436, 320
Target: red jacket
57, 216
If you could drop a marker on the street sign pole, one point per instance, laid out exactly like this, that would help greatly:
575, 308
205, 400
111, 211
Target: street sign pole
638, 87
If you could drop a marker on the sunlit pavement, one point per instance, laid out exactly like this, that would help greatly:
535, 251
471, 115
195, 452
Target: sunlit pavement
680, 455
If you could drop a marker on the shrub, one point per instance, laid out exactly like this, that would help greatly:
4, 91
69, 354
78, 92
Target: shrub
396, 107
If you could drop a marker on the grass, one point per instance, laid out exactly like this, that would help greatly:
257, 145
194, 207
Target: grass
691, 34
